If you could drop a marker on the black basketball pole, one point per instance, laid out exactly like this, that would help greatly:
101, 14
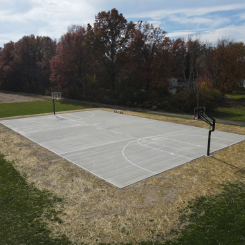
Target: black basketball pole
209, 139
54, 106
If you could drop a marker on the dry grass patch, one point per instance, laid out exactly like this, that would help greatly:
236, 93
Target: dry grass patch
96, 211
16, 98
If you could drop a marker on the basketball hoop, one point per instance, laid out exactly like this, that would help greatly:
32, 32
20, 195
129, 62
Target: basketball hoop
55, 96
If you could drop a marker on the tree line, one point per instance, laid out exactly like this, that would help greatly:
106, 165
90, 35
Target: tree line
116, 61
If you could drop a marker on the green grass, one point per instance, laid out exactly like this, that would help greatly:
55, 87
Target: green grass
38, 107
236, 96
239, 93
215, 219
218, 219
230, 113
21, 207
227, 113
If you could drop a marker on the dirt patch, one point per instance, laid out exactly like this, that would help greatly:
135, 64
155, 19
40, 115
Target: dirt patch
98, 212
16, 98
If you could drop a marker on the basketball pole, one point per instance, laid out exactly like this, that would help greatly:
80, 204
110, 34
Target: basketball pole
54, 106
209, 139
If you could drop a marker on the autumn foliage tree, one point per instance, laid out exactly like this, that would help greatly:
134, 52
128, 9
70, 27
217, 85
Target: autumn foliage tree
178, 51
7, 76
72, 63
108, 41
48, 50
25, 64
149, 56
230, 65
30, 57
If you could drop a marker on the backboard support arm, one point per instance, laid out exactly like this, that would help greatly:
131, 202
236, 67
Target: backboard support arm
201, 114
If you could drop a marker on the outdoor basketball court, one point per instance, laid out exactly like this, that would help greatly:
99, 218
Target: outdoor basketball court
119, 148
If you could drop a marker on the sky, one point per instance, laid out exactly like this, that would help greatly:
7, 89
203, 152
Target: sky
211, 20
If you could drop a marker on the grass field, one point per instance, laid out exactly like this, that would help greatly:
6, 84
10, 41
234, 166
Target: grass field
236, 113
237, 94
38, 107
217, 219
233, 113
22, 207
58, 198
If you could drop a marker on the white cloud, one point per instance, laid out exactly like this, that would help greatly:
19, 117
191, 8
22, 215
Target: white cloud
211, 22
177, 34
159, 14
155, 23
236, 33
60, 15
53, 17
46, 17
242, 16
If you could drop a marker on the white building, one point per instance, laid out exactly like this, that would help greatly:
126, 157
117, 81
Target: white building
178, 82
242, 83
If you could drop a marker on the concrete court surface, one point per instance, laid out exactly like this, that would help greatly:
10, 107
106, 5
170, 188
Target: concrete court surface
119, 148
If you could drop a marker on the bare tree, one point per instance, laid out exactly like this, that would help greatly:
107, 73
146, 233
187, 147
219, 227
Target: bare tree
193, 65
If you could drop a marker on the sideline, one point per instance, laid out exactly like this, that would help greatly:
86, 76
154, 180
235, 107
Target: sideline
239, 123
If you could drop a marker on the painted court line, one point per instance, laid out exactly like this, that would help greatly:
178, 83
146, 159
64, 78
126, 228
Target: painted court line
82, 149
80, 118
213, 137
152, 148
132, 162
83, 117
177, 141
168, 133
72, 120
173, 154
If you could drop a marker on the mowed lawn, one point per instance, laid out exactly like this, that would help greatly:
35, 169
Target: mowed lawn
217, 219
22, 207
38, 107
234, 113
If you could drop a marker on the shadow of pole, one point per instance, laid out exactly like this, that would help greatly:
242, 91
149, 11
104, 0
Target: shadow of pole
240, 171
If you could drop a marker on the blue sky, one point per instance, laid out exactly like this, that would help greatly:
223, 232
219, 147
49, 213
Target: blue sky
211, 19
